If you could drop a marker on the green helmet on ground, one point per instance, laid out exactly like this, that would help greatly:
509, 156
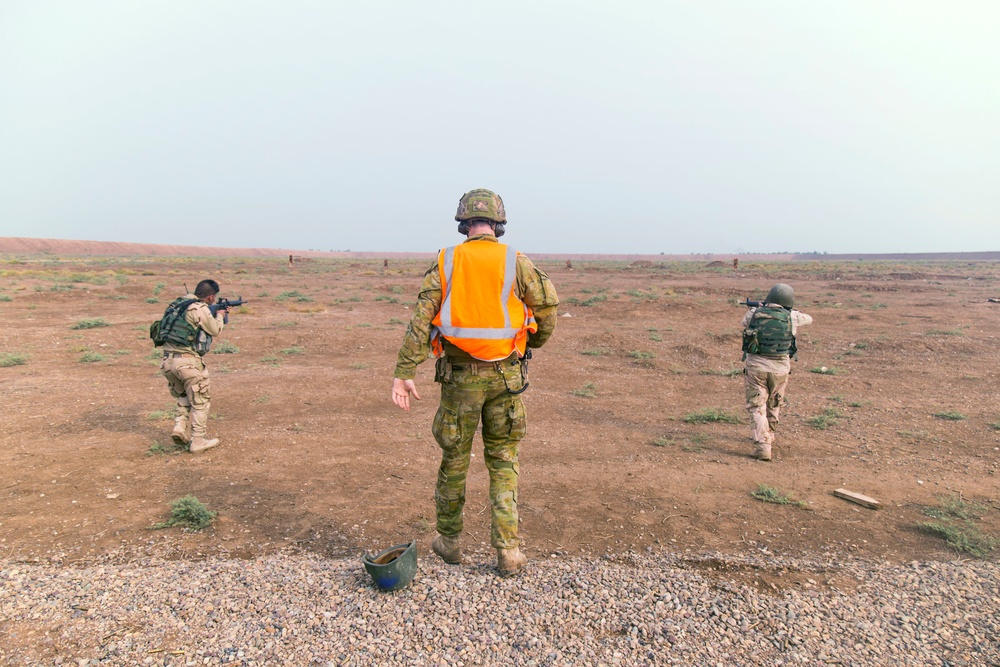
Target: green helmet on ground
481, 204
393, 568
783, 294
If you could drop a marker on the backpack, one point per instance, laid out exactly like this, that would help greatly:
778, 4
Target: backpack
162, 330
769, 333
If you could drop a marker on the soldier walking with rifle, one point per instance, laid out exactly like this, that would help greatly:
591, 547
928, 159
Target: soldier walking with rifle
481, 307
769, 329
185, 331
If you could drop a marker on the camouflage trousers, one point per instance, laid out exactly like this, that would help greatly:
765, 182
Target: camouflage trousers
472, 393
765, 395
187, 378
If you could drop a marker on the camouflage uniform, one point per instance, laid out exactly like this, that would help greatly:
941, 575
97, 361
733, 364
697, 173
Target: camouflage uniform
765, 381
185, 371
474, 390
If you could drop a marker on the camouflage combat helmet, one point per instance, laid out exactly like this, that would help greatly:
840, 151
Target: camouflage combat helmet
393, 568
481, 204
783, 294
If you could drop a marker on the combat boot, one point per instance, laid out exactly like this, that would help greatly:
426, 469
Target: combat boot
762, 452
200, 444
181, 434
510, 561
448, 549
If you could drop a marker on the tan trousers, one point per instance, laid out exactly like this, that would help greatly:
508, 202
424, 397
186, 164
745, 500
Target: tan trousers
187, 378
765, 395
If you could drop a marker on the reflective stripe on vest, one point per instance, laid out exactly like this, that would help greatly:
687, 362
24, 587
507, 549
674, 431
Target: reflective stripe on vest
480, 313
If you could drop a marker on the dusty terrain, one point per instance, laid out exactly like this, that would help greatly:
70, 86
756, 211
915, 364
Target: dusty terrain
315, 458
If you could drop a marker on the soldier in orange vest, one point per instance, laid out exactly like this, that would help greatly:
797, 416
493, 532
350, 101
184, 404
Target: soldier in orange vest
481, 307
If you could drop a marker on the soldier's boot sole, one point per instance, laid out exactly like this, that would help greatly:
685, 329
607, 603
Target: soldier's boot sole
201, 444
448, 549
510, 561
180, 436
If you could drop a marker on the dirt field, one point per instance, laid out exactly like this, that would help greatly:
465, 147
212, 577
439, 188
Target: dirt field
316, 458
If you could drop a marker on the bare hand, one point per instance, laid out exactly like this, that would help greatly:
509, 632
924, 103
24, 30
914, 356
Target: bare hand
401, 390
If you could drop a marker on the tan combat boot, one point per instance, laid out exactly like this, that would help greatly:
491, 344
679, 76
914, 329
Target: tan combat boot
181, 435
448, 549
200, 444
762, 452
510, 561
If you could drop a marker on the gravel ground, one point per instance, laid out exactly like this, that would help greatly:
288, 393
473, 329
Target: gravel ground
631, 609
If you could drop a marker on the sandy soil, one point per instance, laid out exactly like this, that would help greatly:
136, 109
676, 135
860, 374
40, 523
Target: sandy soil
316, 458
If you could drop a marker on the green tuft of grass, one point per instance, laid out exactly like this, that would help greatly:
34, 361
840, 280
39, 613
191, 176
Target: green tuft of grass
950, 416
8, 359
156, 449
6, 298
152, 299
955, 523
710, 415
160, 414
945, 332
663, 441
396, 320
639, 354
188, 512
385, 297
823, 421
586, 391
91, 357
594, 352
295, 349
225, 347
732, 372
769, 494
823, 370
964, 537
93, 323
284, 296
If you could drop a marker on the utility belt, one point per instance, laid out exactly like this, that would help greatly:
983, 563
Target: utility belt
513, 370
167, 355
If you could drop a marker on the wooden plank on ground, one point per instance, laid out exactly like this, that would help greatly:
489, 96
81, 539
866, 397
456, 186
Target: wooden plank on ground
858, 498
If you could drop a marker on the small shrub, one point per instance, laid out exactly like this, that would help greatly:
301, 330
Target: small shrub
655, 337
5, 298
188, 512
709, 416
594, 352
769, 494
91, 357
152, 299
587, 391
292, 350
823, 370
950, 416
284, 296
8, 359
93, 323
663, 441
225, 347
638, 354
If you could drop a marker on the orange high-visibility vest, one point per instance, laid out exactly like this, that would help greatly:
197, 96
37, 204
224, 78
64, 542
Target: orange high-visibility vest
480, 312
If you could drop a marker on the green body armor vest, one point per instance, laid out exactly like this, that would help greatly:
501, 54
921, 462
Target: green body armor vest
173, 327
769, 333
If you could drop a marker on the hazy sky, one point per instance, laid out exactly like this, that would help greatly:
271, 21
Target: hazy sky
629, 127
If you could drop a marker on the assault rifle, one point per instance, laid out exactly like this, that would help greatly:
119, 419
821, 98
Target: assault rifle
224, 305
751, 304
